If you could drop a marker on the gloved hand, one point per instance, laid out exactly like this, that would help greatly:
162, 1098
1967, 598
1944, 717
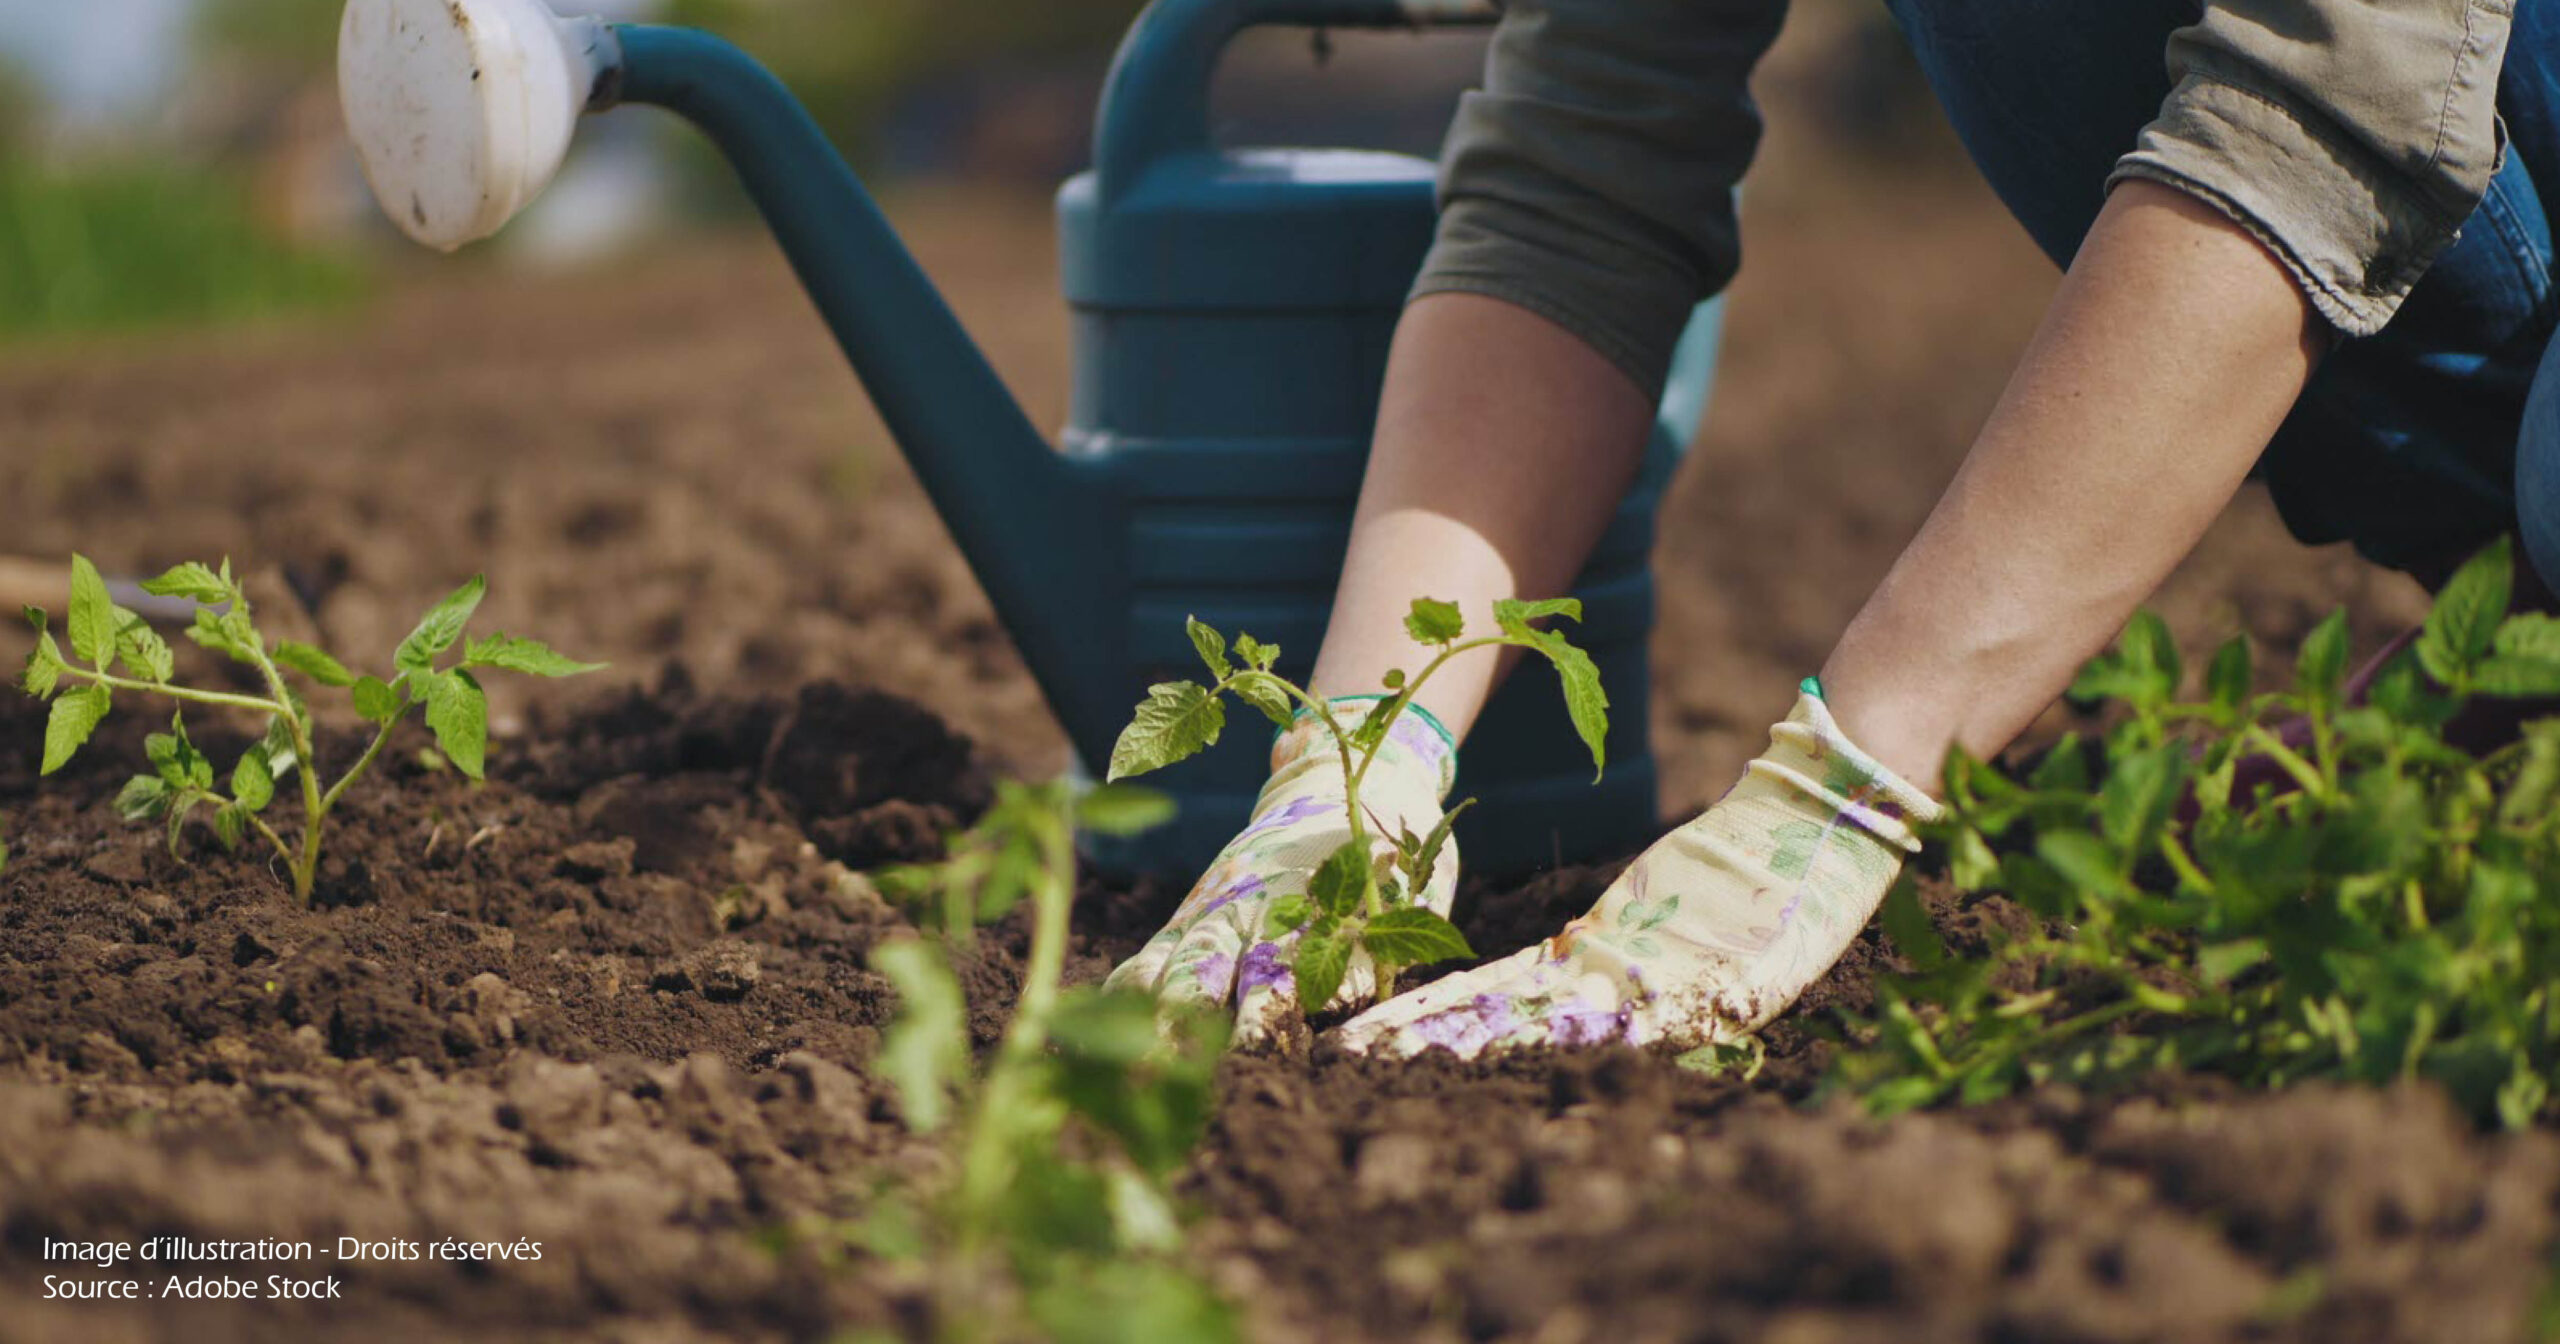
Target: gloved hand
1709, 934
1217, 949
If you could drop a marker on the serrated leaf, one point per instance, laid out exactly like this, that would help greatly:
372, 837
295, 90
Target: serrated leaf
925, 1051
143, 798
1372, 728
1424, 858
529, 656
228, 826
458, 714
2464, 621
1255, 654
376, 701
74, 716
279, 748
190, 580
2530, 634
1177, 720
1322, 959
2515, 675
1434, 622
1288, 915
1338, 883
253, 785
313, 663
223, 634
440, 627
1410, 935
1514, 615
146, 655
92, 620
1211, 645
1123, 809
2322, 664
1585, 702
44, 666
174, 755
182, 805
1266, 693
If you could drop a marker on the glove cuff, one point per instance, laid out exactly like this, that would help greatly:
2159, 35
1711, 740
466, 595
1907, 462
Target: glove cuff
1809, 753
1416, 741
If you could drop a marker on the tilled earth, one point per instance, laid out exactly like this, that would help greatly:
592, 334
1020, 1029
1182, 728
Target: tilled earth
615, 1001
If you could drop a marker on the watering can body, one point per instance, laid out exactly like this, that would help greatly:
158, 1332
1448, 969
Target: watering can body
1232, 311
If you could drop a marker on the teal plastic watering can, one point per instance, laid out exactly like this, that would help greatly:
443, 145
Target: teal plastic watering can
1232, 310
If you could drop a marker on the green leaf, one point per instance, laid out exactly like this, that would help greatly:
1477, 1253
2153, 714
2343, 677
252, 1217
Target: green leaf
1323, 958
440, 627
279, 748
1410, 935
1584, 700
2516, 675
2082, 859
228, 826
377, 701
925, 1051
44, 666
458, 714
1907, 923
2530, 634
1178, 720
1123, 809
1338, 883
529, 656
2228, 678
92, 621
1212, 647
1255, 654
1266, 693
253, 785
1372, 728
190, 580
2464, 621
1514, 615
2322, 664
176, 757
1288, 915
2142, 669
182, 805
229, 634
146, 655
313, 663
1434, 622
1111, 1066
143, 798
74, 716
1420, 861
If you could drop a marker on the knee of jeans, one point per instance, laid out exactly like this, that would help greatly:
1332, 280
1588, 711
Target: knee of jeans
2538, 471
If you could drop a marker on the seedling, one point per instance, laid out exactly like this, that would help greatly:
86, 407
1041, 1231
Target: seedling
1057, 1218
1358, 898
105, 636
2395, 914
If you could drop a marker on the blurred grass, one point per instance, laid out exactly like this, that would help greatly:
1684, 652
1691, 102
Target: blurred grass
117, 246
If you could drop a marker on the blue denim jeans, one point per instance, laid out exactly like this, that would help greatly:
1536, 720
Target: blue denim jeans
2419, 444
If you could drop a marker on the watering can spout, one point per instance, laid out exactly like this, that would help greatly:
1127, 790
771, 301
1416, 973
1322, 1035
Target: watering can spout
461, 111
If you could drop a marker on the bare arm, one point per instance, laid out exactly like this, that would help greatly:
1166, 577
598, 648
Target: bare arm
2171, 353
1504, 445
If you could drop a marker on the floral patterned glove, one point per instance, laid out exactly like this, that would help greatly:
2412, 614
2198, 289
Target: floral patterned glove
1709, 934
1217, 949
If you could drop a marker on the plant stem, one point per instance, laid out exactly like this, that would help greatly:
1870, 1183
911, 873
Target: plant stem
329, 801
985, 1167
315, 809
173, 692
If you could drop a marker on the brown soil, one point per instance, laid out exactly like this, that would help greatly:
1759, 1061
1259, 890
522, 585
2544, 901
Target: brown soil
614, 1001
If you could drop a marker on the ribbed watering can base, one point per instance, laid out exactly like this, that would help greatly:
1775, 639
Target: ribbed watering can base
1529, 828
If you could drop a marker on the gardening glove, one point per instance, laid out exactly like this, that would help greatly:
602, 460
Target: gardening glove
1708, 935
1218, 950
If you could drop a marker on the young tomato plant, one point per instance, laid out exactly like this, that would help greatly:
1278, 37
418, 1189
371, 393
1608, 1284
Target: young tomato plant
105, 637
1056, 1219
2393, 911
1358, 898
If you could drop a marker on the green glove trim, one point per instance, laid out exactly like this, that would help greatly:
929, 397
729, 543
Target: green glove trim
1812, 686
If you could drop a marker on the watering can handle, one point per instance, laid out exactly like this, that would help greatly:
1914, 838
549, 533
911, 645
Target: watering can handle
1156, 103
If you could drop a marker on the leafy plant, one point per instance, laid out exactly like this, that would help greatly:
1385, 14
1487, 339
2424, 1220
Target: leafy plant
1358, 898
2392, 912
182, 781
1056, 1219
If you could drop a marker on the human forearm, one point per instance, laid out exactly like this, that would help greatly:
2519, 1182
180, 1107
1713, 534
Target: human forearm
1504, 445
2169, 356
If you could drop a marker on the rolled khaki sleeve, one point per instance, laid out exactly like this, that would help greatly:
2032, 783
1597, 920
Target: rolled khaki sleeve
2351, 137
1591, 179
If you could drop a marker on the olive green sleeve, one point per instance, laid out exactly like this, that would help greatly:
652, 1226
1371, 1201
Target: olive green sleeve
2352, 137
1591, 179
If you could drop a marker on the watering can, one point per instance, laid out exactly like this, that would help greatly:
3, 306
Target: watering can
1232, 309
